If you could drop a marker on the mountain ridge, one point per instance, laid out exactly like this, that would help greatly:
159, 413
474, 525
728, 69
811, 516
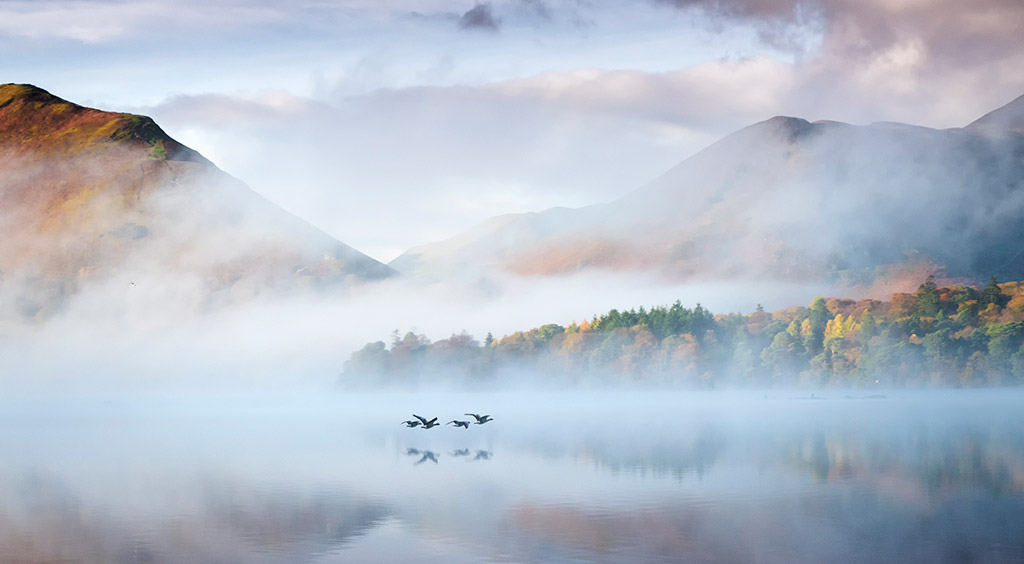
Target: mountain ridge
792, 200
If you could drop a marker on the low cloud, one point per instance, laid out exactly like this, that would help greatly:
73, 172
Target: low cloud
149, 339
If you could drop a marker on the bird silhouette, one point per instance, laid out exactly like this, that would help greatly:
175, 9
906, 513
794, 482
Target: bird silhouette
411, 423
463, 424
480, 419
427, 424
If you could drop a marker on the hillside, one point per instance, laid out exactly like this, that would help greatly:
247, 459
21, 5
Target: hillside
90, 197
785, 199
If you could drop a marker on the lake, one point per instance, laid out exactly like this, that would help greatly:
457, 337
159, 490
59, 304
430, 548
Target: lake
612, 476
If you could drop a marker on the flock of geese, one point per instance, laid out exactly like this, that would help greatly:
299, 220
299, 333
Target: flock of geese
430, 424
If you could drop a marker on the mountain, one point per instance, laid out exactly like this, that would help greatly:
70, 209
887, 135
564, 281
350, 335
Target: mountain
90, 197
1007, 120
785, 199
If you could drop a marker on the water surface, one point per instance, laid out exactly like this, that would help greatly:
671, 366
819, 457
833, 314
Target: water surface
556, 477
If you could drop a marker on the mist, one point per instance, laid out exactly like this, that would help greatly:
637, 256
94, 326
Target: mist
152, 332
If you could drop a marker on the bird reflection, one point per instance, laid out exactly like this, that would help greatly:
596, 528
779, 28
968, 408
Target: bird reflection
482, 455
424, 455
460, 452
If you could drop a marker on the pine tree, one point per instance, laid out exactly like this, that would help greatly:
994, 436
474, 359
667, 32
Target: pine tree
992, 294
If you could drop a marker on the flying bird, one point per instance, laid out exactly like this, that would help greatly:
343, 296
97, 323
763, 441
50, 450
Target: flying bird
463, 424
427, 424
411, 423
480, 419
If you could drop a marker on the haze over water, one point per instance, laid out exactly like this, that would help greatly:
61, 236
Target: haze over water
557, 477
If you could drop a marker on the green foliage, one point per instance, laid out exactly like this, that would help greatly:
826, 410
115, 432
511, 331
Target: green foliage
992, 294
157, 152
928, 298
662, 321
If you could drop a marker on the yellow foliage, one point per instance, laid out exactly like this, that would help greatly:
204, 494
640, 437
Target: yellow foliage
990, 315
1016, 305
840, 326
805, 328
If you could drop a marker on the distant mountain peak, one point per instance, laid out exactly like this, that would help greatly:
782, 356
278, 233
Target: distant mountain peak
1007, 119
790, 129
33, 119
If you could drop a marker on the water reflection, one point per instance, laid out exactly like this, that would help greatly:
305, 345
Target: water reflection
49, 521
429, 455
612, 478
424, 455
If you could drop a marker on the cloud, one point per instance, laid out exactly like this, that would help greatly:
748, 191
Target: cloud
393, 169
856, 55
479, 17
102, 22
717, 96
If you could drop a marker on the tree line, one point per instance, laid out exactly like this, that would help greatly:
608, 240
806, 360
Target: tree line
952, 336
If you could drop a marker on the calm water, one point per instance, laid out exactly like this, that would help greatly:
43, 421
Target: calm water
556, 477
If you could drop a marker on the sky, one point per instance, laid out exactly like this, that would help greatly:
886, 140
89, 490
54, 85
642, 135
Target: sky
394, 123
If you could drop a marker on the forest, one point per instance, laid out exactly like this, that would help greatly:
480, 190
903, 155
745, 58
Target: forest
955, 336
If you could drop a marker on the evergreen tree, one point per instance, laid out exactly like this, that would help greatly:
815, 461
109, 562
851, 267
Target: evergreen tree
927, 298
992, 294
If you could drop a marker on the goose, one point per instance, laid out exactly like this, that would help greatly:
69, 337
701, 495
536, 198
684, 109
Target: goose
463, 424
411, 423
480, 419
427, 424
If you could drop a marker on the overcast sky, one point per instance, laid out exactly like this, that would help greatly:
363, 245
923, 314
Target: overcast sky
393, 123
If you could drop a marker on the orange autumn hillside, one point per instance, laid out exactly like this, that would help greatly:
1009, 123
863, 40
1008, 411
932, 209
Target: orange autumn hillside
98, 200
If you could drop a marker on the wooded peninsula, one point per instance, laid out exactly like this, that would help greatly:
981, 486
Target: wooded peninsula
956, 336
